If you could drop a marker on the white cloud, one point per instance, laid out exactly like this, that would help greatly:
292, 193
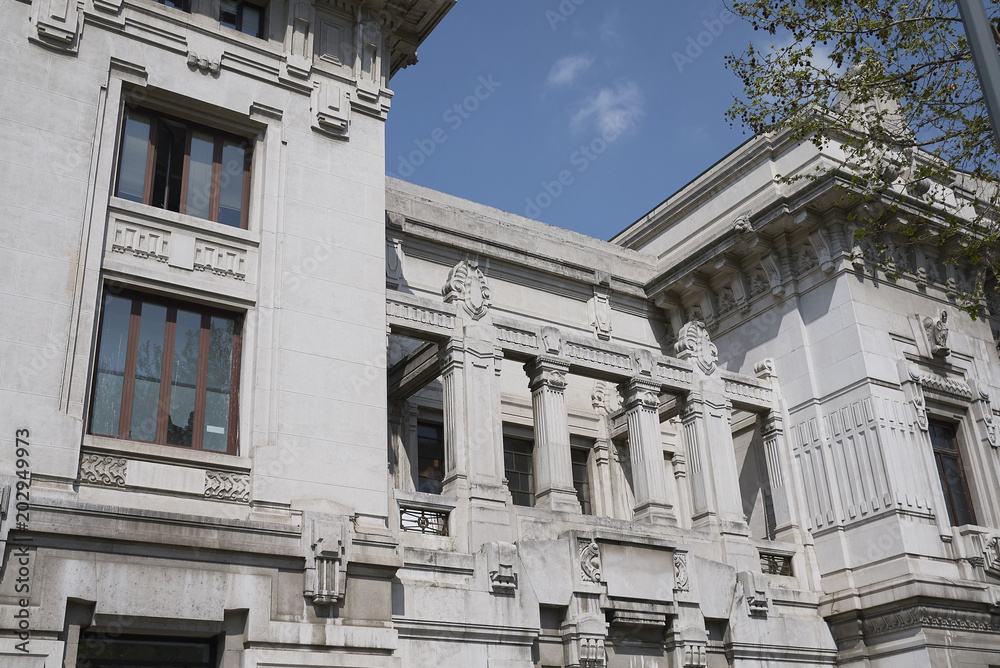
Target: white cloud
611, 109
566, 69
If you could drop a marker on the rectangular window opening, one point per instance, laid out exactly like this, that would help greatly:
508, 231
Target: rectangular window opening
948, 457
167, 372
180, 166
430, 457
246, 17
581, 477
519, 469
101, 650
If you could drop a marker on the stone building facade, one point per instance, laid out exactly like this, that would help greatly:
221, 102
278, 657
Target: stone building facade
264, 407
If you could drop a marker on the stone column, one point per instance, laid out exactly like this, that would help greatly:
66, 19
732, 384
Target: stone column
642, 403
452, 358
553, 466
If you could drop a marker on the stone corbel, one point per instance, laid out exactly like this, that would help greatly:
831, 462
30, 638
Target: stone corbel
673, 311
853, 246
820, 240
501, 560
56, 24
326, 561
695, 655
771, 264
331, 109
203, 64
754, 589
699, 302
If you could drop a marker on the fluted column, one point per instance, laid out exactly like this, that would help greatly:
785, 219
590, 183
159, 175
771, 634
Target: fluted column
642, 403
452, 358
774, 442
553, 466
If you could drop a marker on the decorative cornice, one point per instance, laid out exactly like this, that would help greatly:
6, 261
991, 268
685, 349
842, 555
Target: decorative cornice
954, 388
928, 617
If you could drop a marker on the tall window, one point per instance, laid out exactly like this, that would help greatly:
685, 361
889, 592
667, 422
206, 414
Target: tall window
184, 167
581, 478
519, 469
430, 457
246, 17
98, 650
167, 372
951, 472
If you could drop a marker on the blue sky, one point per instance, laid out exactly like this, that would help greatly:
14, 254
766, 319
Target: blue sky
584, 114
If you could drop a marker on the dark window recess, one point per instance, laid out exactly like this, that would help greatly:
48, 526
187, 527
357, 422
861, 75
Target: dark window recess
519, 470
183, 5
430, 457
581, 478
951, 472
243, 16
101, 650
184, 167
167, 372
775, 564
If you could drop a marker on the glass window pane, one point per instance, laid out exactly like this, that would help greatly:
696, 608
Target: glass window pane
110, 372
135, 146
250, 23
170, 139
148, 370
227, 13
199, 185
184, 379
220, 369
231, 184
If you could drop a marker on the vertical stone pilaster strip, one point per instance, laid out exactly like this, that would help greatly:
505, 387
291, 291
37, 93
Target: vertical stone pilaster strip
642, 405
553, 465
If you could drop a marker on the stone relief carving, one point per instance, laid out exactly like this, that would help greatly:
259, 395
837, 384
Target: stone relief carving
764, 368
604, 397
325, 561
772, 268
758, 282
103, 470
695, 656
227, 486
937, 335
590, 561
727, 300
393, 261
985, 413
680, 571
991, 556
693, 342
466, 284
600, 312
592, 652
551, 340
820, 240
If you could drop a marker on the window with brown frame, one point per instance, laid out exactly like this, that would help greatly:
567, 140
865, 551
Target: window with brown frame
949, 464
167, 372
181, 166
247, 17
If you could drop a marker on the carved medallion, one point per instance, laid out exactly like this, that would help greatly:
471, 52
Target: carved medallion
693, 342
466, 284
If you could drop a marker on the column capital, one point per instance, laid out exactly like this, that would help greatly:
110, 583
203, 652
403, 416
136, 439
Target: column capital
547, 371
641, 392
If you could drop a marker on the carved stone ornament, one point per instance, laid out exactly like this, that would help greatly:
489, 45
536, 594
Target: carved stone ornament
500, 563
991, 556
681, 571
754, 588
590, 561
592, 652
764, 369
551, 340
393, 262
600, 312
985, 410
928, 617
742, 223
695, 655
204, 64
103, 470
325, 561
227, 486
937, 335
466, 284
694, 342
